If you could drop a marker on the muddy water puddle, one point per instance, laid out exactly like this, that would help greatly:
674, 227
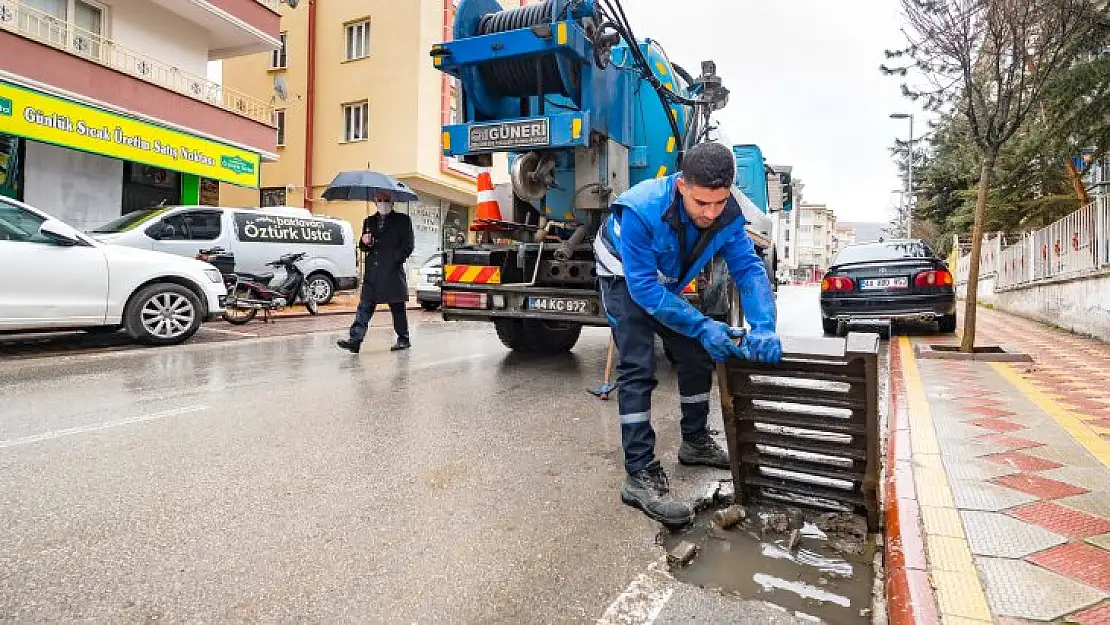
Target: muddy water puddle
817, 566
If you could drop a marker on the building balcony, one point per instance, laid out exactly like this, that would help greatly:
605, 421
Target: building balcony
235, 27
60, 54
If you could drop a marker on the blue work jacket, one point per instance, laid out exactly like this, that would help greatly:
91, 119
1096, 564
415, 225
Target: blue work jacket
640, 240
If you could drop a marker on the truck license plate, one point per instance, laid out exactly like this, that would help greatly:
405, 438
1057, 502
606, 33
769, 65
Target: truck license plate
885, 283
559, 305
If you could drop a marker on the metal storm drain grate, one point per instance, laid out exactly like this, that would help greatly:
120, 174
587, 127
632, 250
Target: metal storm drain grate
806, 431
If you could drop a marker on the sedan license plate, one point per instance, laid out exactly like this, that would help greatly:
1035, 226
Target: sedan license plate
885, 283
559, 305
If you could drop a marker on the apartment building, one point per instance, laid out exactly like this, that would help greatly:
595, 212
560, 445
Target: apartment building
816, 226
355, 88
843, 236
105, 107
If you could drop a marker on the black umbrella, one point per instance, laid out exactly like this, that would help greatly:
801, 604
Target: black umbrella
367, 185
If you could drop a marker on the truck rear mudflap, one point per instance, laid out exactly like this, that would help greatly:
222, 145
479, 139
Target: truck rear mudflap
488, 302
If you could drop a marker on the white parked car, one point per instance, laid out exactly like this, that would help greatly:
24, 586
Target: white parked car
254, 236
428, 286
56, 278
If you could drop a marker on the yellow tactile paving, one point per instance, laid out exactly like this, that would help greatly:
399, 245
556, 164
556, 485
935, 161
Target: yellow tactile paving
947, 553
960, 595
959, 620
941, 521
923, 442
1070, 420
932, 487
927, 461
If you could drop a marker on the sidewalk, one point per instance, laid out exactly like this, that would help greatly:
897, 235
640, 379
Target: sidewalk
1001, 481
343, 303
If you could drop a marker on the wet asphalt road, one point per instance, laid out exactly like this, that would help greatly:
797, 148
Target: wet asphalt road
280, 479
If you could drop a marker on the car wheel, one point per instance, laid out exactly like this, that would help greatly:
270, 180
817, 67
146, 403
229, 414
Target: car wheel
321, 288
163, 314
429, 305
830, 326
947, 324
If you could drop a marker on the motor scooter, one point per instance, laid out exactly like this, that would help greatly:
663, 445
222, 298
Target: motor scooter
249, 293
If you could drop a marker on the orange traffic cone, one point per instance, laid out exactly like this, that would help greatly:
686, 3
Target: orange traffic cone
489, 212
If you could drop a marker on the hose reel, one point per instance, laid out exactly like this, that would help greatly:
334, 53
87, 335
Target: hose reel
519, 78
496, 87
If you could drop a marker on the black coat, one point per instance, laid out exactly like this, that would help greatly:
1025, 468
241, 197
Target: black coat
390, 247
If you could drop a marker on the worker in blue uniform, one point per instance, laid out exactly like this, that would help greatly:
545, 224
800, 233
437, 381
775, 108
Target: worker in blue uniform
658, 237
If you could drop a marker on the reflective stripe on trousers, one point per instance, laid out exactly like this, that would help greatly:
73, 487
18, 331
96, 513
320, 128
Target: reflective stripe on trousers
634, 331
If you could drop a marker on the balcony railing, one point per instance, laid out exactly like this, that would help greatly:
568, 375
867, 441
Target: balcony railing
24, 20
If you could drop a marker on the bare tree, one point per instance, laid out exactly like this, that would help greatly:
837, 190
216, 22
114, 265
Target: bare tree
992, 60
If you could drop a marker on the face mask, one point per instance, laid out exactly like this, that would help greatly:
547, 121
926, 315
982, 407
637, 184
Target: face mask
385, 208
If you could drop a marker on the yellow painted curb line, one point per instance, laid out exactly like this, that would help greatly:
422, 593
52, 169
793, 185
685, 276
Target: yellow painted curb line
960, 594
1070, 421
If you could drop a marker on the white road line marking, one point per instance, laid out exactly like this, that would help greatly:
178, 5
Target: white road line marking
643, 600
96, 427
248, 335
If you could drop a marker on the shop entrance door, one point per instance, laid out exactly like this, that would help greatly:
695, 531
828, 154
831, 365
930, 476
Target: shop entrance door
146, 187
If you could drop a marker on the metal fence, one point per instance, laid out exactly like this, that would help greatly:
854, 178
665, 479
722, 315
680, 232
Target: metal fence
989, 259
21, 18
1076, 245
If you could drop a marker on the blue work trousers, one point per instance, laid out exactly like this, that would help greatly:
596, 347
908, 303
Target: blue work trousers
634, 330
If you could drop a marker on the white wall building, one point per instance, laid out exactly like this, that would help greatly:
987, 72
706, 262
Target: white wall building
816, 225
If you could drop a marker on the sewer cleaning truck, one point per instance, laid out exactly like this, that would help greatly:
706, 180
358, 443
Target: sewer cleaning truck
583, 110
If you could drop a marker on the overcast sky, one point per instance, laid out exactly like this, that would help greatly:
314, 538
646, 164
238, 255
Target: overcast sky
805, 86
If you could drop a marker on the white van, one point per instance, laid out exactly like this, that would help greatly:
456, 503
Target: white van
254, 236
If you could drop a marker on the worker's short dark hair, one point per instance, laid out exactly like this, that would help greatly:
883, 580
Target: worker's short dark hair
709, 165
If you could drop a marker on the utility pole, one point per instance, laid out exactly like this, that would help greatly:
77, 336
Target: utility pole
909, 177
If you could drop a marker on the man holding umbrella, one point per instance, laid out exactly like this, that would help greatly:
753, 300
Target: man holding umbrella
387, 240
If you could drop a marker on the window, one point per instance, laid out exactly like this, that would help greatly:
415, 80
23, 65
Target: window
786, 252
204, 225
279, 123
272, 196
883, 251
192, 226
129, 221
76, 25
358, 40
356, 126
453, 116
278, 58
19, 225
786, 235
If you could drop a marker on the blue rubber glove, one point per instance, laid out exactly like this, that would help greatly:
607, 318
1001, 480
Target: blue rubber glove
758, 301
719, 340
763, 346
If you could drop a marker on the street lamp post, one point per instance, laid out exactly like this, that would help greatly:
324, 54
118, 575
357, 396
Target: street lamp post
909, 183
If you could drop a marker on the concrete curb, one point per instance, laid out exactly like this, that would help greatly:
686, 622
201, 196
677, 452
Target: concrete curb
910, 597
